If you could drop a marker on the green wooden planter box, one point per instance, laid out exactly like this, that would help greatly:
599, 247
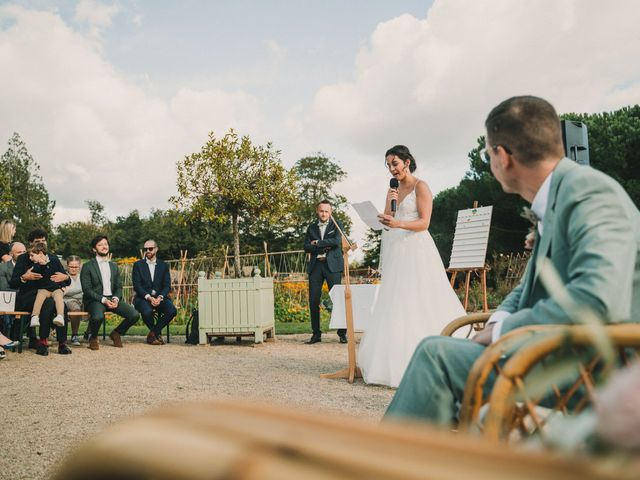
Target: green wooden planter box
236, 307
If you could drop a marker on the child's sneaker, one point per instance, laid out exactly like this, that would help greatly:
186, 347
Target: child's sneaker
75, 340
58, 320
35, 321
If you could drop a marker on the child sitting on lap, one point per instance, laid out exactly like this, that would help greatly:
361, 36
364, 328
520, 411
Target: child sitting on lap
46, 265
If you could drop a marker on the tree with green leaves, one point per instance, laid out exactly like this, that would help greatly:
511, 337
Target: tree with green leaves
508, 228
371, 249
96, 212
232, 179
24, 197
317, 176
315, 179
614, 145
74, 238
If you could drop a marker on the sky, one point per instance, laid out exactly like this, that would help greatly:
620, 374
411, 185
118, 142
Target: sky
109, 95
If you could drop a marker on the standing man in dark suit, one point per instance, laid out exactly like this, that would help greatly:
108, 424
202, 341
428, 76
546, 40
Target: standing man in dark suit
152, 283
102, 291
26, 281
323, 242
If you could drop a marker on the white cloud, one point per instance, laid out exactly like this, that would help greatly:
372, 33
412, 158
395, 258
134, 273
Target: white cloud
95, 134
424, 82
96, 15
429, 83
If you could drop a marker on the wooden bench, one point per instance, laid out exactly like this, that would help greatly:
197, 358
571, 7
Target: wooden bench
69, 314
104, 324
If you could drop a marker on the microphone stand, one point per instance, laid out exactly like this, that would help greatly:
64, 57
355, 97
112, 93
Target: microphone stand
352, 371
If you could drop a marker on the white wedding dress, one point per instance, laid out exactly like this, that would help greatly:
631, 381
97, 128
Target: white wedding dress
414, 300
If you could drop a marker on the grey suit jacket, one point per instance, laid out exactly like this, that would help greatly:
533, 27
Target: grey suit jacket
591, 235
6, 270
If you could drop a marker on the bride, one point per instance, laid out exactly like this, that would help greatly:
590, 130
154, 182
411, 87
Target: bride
415, 298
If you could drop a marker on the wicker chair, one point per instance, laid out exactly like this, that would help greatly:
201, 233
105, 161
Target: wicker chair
475, 393
514, 411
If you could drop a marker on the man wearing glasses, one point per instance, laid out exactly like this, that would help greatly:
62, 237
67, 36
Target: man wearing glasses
152, 283
588, 229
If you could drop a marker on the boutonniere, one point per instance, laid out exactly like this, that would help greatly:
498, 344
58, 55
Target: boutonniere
530, 239
530, 215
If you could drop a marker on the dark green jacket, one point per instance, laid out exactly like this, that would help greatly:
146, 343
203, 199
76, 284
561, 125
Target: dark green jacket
91, 281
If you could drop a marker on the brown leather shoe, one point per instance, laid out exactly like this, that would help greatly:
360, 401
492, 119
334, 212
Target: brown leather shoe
152, 339
94, 344
117, 341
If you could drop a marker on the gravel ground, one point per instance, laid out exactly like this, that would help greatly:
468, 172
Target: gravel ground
50, 404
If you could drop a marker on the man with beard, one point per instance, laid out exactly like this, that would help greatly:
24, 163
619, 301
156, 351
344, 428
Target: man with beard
152, 283
102, 292
26, 281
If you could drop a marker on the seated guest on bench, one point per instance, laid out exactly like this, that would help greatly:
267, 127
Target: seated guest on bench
6, 271
152, 282
588, 229
25, 280
102, 291
46, 265
73, 296
7, 231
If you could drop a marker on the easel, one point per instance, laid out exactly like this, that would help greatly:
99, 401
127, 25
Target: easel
481, 271
352, 371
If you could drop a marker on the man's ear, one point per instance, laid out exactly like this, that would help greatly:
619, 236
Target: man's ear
506, 160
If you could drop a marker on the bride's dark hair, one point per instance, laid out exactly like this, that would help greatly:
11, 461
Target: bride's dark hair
403, 154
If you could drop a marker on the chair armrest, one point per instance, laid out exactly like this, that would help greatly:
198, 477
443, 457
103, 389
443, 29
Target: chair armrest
471, 319
487, 363
513, 376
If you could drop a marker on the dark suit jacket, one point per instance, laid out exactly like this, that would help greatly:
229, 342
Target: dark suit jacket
330, 245
91, 281
47, 270
142, 283
27, 291
6, 270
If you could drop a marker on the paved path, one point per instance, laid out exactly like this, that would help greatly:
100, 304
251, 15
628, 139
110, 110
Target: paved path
50, 404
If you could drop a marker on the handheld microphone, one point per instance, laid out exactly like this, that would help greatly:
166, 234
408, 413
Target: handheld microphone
393, 183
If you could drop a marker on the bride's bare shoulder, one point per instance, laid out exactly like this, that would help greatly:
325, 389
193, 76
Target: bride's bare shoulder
422, 188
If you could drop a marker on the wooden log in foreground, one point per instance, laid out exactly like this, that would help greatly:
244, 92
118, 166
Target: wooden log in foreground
222, 440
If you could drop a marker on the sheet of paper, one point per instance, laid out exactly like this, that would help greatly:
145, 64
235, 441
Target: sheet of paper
368, 214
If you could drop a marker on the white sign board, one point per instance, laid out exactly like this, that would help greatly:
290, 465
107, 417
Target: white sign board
362, 299
471, 238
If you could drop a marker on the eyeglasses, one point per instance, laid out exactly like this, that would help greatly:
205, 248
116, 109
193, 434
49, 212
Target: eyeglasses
484, 154
149, 249
73, 266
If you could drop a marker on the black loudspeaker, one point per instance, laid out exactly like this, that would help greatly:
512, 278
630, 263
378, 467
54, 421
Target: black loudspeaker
576, 141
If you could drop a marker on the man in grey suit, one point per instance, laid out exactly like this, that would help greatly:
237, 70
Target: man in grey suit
6, 268
588, 228
6, 271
